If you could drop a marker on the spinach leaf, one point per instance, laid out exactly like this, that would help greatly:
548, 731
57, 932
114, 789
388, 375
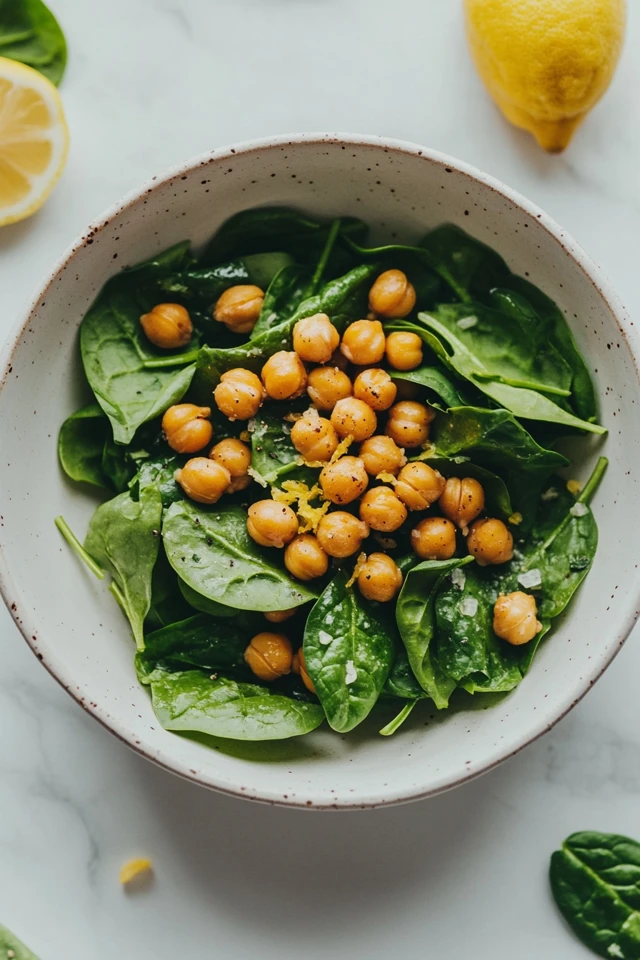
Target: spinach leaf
286, 292
401, 682
595, 880
210, 549
124, 538
205, 284
190, 701
416, 262
167, 602
204, 604
81, 444
433, 379
272, 452
415, 615
30, 33
202, 641
469, 267
117, 463
10, 946
349, 651
468, 363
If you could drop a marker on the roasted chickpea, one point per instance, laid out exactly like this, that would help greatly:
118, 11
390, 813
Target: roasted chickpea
379, 578
327, 385
315, 338
203, 480
363, 342
167, 326
490, 542
381, 509
234, 456
353, 418
269, 655
341, 534
314, 437
408, 423
344, 480
305, 559
419, 485
375, 387
382, 455
186, 428
392, 295
239, 394
271, 524
284, 375
299, 666
462, 500
278, 616
404, 350
515, 618
434, 539
239, 307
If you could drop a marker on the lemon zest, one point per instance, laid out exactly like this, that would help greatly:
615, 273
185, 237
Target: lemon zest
135, 870
574, 487
357, 570
515, 518
299, 493
386, 477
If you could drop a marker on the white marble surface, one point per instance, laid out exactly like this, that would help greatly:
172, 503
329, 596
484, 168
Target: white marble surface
151, 82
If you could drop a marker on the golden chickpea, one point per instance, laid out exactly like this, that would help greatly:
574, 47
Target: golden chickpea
419, 485
315, 338
434, 539
327, 385
299, 666
408, 423
375, 387
269, 655
379, 578
340, 534
381, 454
271, 524
234, 456
353, 418
381, 509
363, 342
278, 616
392, 295
404, 350
314, 438
239, 394
167, 326
284, 376
239, 307
344, 480
515, 618
203, 480
462, 500
186, 428
490, 542
305, 559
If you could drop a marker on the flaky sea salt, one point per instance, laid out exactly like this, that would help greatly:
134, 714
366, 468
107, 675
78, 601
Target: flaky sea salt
579, 509
458, 578
465, 323
550, 494
352, 674
469, 607
530, 578
324, 638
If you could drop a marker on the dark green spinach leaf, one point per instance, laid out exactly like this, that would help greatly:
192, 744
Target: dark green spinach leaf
434, 380
211, 643
286, 292
30, 33
81, 445
272, 453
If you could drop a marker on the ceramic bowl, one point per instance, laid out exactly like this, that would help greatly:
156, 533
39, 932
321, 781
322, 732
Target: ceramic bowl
71, 621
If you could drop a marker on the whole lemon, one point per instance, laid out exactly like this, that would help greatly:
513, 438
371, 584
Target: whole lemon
546, 63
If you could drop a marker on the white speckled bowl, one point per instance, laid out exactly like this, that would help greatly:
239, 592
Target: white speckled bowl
72, 623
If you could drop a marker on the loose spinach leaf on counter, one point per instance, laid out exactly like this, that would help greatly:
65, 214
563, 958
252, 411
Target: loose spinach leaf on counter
348, 650
81, 444
10, 946
595, 880
210, 549
30, 33
190, 701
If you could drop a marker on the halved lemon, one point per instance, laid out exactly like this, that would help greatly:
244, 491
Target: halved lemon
34, 140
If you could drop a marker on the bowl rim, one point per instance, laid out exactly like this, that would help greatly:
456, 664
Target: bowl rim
32, 630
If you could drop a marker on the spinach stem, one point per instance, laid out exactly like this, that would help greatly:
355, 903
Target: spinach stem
324, 259
175, 360
118, 594
77, 547
593, 482
398, 720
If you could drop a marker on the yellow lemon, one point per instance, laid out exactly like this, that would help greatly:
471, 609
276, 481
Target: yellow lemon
34, 140
546, 62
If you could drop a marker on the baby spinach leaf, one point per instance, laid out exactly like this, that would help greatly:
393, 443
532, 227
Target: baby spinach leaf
30, 33
286, 292
415, 615
401, 682
124, 538
202, 603
469, 267
416, 262
343, 299
210, 549
81, 444
595, 880
190, 701
272, 453
167, 603
202, 641
205, 284
118, 465
434, 380
348, 650
10, 946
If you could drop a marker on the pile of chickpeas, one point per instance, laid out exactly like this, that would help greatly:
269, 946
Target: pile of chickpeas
348, 389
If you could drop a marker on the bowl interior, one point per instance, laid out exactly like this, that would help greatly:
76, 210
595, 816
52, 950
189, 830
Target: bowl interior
72, 622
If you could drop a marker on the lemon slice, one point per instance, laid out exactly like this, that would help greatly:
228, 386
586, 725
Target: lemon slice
34, 140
